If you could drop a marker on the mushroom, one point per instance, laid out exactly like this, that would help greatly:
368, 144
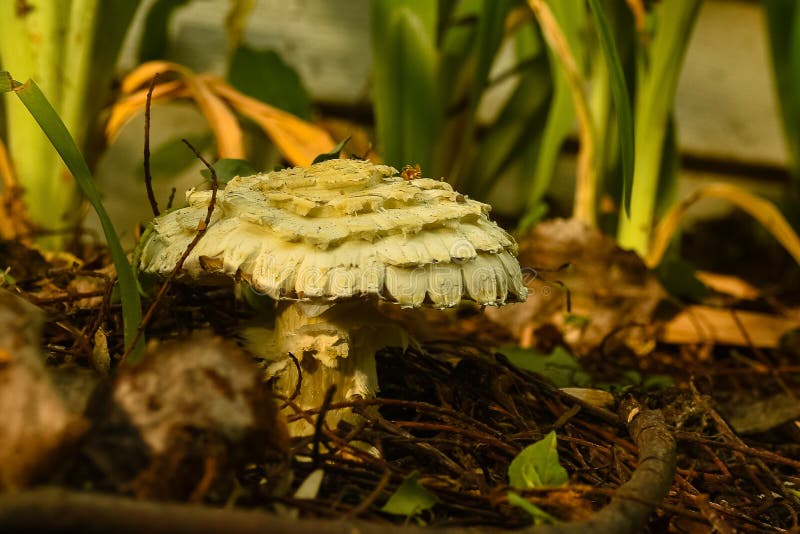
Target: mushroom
327, 242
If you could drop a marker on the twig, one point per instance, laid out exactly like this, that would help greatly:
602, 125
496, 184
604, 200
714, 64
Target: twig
201, 231
171, 198
743, 448
318, 424
477, 436
66, 511
374, 494
148, 178
653, 476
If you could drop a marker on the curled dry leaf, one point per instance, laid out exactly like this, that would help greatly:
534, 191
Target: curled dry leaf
611, 292
125, 108
37, 421
761, 210
223, 123
140, 77
14, 222
707, 325
299, 141
184, 419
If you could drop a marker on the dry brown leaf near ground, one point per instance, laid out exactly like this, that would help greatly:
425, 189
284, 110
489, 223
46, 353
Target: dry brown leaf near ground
611, 293
183, 421
38, 422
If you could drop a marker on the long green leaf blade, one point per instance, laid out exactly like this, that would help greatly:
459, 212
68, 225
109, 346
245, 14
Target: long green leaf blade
655, 96
405, 89
491, 27
52, 126
619, 92
153, 44
264, 75
783, 24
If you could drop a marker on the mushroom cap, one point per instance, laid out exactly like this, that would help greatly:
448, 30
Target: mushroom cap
342, 229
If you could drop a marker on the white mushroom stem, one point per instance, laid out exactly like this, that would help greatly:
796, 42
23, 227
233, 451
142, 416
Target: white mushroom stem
334, 344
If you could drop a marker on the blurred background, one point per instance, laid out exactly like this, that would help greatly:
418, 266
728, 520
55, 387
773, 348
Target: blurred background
476, 92
726, 110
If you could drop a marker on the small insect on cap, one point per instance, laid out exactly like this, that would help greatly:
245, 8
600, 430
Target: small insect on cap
341, 229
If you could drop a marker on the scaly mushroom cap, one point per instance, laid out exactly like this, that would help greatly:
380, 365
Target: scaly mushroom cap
341, 229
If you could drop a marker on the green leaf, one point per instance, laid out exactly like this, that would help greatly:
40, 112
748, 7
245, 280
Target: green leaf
155, 36
515, 137
171, 157
655, 94
490, 31
532, 216
560, 367
227, 169
678, 277
7, 83
265, 76
540, 517
70, 49
410, 499
579, 321
622, 104
51, 124
90, 54
334, 153
405, 88
656, 382
427, 11
6, 279
236, 20
455, 44
783, 24
560, 121
537, 466
634, 379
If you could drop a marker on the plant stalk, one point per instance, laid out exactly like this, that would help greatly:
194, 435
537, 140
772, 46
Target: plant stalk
30, 45
586, 176
658, 81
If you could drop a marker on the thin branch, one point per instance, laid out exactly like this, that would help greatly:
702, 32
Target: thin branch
171, 198
201, 231
69, 511
323, 410
148, 178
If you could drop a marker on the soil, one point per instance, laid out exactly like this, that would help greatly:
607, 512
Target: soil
197, 425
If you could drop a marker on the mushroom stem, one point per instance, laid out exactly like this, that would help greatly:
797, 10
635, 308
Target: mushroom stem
335, 344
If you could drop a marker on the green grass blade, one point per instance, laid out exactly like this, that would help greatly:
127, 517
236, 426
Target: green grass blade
153, 44
656, 86
405, 86
570, 16
52, 126
783, 24
264, 75
491, 27
455, 44
619, 93
488, 36
516, 131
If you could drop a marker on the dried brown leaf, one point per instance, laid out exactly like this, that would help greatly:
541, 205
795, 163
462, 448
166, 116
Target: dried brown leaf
299, 141
223, 123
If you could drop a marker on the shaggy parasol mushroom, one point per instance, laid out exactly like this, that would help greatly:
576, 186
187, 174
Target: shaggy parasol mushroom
328, 240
